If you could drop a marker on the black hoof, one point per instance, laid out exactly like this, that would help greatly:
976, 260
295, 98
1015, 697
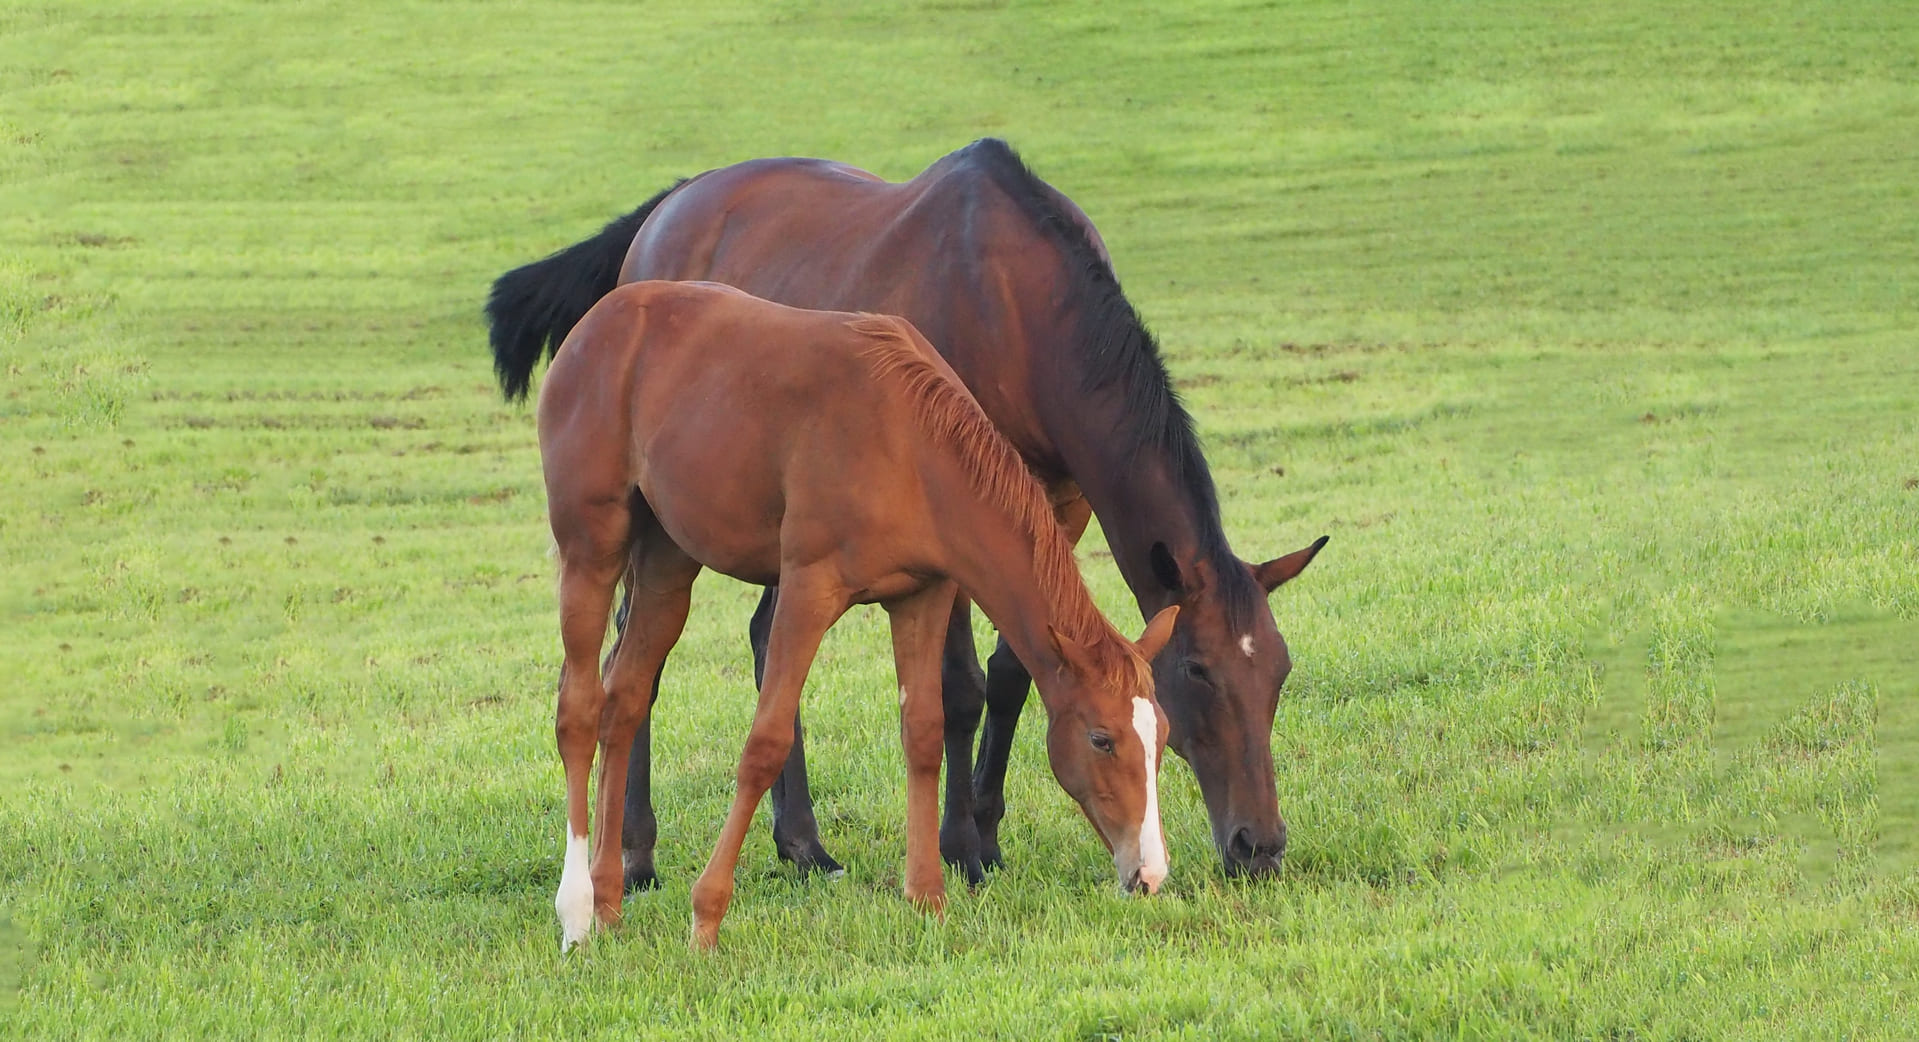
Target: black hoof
969, 867
812, 859
640, 878
959, 847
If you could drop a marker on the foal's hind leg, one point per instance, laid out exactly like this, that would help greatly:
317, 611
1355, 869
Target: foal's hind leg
659, 582
796, 832
592, 546
800, 620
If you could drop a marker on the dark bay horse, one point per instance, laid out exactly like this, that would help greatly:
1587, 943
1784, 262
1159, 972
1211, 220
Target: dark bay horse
1011, 282
689, 425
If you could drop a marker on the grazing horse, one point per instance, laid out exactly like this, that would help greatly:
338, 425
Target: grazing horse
1011, 282
689, 425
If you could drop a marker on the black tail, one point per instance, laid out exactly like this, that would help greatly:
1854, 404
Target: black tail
533, 307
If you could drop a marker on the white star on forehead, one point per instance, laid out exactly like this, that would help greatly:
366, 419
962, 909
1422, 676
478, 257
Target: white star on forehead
1246, 644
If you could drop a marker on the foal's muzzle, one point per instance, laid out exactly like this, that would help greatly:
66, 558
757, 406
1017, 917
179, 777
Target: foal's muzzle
1135, 884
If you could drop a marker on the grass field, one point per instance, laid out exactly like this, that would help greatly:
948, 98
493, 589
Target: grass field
1590, 333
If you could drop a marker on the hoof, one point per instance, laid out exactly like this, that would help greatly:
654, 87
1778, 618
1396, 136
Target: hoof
706, 936
970, 869
991, 859
572, 934
636, 871
812, 859
960, 848
929, 902
639, 879
574, 901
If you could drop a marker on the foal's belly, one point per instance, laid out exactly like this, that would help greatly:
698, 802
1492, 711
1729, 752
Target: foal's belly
728, 528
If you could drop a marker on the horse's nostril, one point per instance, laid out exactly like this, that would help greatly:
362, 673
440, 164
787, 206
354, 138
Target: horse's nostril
1246, 854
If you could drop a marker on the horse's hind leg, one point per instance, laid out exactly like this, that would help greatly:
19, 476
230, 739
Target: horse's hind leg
801, 618
591, 536
796, 832
659, 583
639, 828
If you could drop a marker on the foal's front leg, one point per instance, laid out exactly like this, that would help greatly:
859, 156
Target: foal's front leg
919, 628
804, 613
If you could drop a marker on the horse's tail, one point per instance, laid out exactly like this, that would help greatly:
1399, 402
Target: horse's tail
534, 306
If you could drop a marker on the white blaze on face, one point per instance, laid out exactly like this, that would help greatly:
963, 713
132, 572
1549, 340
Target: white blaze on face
1246, 644
574, 902
1152, 847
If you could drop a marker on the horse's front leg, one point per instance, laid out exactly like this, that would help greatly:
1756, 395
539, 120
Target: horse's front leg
1007, 685
800, 620
919, 626
963, 694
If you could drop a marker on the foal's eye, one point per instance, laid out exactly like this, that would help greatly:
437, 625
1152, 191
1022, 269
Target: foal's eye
1101, 741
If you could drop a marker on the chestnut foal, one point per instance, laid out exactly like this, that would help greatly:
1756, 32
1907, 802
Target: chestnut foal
690, 425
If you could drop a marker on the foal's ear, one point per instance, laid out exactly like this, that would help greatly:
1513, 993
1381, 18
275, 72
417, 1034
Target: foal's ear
1072, 654
1158, 632
1276, 571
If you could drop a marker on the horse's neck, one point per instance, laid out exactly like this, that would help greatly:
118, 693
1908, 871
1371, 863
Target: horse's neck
1140, 500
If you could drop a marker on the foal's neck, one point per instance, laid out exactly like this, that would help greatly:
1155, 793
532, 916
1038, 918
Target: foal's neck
1025, 583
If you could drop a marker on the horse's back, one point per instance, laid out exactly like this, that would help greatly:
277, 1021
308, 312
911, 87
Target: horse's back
952, 250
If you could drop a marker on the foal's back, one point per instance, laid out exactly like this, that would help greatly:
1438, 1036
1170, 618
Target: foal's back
731, 414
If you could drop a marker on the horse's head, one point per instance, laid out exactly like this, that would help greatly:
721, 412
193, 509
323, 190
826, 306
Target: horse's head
1104, 736
1219, 681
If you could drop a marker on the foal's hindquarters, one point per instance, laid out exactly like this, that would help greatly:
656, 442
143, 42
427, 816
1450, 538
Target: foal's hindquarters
687, 425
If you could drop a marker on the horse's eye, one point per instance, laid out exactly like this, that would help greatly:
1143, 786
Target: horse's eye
1101, 741
1195, 671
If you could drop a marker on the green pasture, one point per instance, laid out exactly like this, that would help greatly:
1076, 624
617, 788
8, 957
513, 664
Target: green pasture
1589, 332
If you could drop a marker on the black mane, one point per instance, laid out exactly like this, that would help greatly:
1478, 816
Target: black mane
1120, 354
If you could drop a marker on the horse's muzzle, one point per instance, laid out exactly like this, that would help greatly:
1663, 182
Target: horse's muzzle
1253, 858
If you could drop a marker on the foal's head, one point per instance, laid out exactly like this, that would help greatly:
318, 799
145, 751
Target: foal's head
1104, 737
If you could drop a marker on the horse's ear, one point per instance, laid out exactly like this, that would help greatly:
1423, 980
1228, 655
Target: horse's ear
1072, 654
1165, 569
1276, 571
1158, 632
